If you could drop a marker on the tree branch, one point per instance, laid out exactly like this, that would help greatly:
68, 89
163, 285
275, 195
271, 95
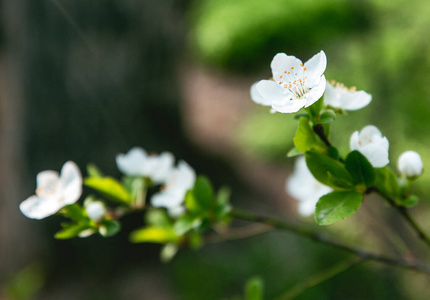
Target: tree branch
317, 237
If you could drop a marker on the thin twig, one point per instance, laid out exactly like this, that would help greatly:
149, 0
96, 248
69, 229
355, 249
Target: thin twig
317, 237
319, 278
239, 233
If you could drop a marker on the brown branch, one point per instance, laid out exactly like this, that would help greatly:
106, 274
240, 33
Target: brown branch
317, 237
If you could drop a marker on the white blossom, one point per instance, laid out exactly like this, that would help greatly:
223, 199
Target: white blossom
372, 145
53, 192
305, 188
172, 194
410, 164
338, 96
294, 85
96, 210
138, 163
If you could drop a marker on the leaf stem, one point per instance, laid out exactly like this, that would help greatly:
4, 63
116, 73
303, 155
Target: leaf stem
317, 237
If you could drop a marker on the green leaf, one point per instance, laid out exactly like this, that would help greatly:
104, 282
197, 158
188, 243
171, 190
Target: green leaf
191, 203
203, 193
298, 116
109, 228
386, 182
360, 169
185, 223
293, 152
94, 171
223, 207
195, 239
410, 201
153, 235
327, 117
254, 289
75, 212
136, 187
328, 170
337, 206
158, 217
110, 188
305, 138
71, 231
333, 152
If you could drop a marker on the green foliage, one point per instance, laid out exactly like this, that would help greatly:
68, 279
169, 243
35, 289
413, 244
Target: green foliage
72, 230
386, 182
26, 283
136, 187
74, 212
235, 34
203, 193
109, 228
186, 223
328, 170
153, 235
94, 171
327, 117
337, 206
254, 289
409, 201
305, 138
360, 169
109, 187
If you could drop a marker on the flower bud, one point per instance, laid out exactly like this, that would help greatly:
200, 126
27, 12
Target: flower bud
96, 210
410, 164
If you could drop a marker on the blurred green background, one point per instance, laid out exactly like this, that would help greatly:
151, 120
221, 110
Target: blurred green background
84, 80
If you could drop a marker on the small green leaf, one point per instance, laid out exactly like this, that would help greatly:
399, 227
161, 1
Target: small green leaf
328, 170
110, 188
386, 182
71, 231
195, 239
109, 228
185, 223
153, 235
305, 138
191, 203
74, 212
410, 201
158, 217
298, 116
135, 186
293, 152
337, 206
254, 289
94, 171
203, 193
360, 169
327, 117
333, 152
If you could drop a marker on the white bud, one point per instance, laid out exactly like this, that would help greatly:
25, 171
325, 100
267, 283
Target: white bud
96, 210
410, 164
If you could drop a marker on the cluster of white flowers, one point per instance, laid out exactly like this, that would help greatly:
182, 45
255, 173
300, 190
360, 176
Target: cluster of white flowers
160, 169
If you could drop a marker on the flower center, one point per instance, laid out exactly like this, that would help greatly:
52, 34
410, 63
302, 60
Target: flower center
294, 81
48, 189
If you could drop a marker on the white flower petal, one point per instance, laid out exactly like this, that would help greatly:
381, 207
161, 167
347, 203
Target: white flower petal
132, 163
354, 100
163, 167
269, 89
331, 96
315, 67
168, 199
46, 177
256, 96
71, 181
354, 141
376, 155
38, 208
316, 93
282, 63
290, 106
370, 132
307, 208
177, 211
